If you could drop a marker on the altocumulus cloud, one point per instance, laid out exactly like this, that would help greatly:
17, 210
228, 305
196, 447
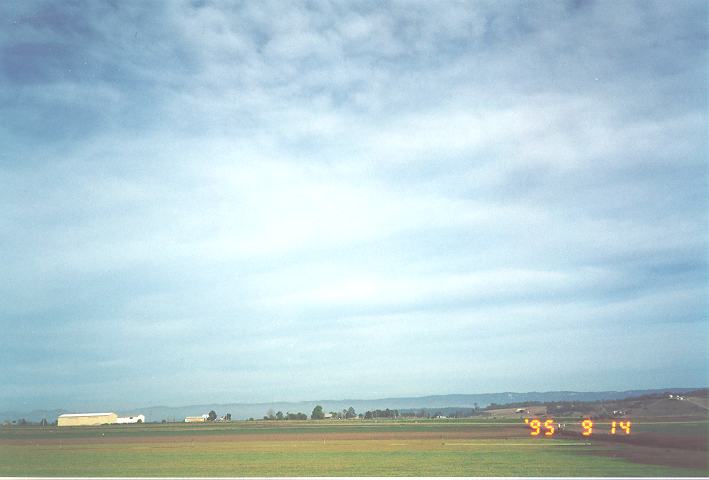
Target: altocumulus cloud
283, 201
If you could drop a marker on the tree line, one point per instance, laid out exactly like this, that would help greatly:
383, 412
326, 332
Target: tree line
318, 413
283, 416
381, 414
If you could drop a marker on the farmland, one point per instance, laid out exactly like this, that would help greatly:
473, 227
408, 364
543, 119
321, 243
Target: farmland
466, 447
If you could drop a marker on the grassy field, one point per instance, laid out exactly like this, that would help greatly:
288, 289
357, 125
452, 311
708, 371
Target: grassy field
429, 448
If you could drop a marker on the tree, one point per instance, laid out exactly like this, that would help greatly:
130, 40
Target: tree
279, 415
227, 417
212, 415
317, 413
351, 413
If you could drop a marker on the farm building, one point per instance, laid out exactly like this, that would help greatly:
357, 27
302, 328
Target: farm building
80, 419
203, 418
133, 419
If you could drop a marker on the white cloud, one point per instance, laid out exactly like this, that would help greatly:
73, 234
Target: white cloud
428, 180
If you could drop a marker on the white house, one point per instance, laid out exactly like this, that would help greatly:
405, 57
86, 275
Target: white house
133, 419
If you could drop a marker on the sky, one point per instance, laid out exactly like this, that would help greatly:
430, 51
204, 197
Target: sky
279, 201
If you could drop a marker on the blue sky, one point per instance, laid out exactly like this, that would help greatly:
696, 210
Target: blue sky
257, 201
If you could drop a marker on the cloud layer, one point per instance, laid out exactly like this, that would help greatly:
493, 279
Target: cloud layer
271, 201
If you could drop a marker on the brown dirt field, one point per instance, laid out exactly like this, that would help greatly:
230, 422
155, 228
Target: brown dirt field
652, 448
672, 457
501, 433
682, 442
699, 401
666, 407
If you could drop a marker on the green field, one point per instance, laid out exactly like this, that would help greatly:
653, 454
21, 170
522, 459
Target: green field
429, 448
257, 427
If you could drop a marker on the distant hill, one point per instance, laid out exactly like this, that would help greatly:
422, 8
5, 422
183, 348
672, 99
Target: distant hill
258, 410
689, 403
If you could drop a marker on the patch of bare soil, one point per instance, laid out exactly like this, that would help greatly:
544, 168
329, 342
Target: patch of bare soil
671, 457
688, 451
682, 442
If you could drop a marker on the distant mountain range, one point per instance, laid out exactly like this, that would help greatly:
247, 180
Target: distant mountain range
258, 410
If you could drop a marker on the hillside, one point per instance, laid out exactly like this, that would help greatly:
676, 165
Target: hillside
689, 404
447, 403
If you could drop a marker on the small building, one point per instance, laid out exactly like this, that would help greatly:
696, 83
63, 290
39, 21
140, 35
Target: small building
196, 419
85, 419
133, 419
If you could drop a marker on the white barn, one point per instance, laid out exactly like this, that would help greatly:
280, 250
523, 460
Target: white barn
85, 419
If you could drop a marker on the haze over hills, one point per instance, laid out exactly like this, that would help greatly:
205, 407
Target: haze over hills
258, 410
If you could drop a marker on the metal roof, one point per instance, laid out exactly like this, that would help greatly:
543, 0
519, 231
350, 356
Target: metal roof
86, 414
